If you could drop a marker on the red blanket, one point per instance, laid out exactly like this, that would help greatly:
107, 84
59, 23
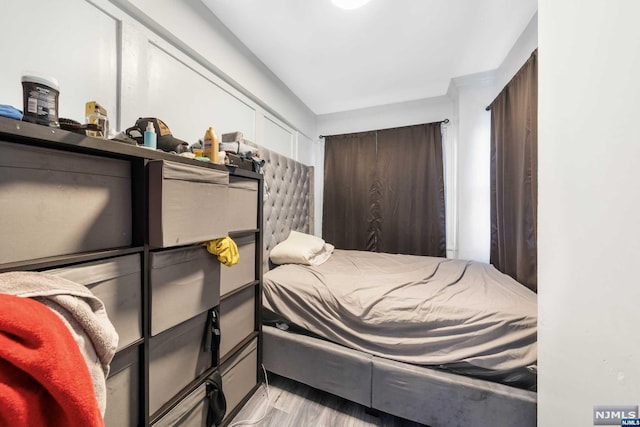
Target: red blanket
44, 380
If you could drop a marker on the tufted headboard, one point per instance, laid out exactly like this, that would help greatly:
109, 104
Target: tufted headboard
288, 199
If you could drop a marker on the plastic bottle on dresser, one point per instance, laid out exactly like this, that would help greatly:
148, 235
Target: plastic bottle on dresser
211, 145
97, 114
150, 137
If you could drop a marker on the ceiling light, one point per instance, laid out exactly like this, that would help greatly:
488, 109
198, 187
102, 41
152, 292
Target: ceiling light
350, 4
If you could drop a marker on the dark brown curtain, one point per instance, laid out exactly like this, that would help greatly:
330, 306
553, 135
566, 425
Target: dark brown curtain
514, 176
411, 176
349, 167
384, 191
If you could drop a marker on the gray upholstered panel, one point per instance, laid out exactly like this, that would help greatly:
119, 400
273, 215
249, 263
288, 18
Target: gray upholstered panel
442, 399
320, 364
288, 199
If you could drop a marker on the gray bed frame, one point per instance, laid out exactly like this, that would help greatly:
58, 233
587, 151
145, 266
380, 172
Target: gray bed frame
427, 396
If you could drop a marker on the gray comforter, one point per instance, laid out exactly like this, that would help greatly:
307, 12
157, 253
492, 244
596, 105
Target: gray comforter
420, 310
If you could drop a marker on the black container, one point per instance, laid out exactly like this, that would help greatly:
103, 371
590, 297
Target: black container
40, 100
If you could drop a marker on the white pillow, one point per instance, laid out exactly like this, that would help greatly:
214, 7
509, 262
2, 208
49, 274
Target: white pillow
323, 255
301, 248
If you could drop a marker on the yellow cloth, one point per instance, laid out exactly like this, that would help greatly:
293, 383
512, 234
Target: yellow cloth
226, 249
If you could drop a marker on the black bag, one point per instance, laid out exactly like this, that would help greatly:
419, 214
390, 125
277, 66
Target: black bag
217, 403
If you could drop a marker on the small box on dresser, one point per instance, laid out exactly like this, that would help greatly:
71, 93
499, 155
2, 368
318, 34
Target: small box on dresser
184, 283
243, 203
178, 356
189, 412
187, 204
244, 272
58, 203
118, 283
237, 319
240, 375
123, 389
202, 406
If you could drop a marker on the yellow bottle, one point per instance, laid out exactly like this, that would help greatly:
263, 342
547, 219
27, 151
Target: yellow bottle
211, 145
96, 114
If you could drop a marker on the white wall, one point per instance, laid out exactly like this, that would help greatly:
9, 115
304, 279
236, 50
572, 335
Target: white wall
518, 55
195, 37
472, 94
82, 56
588, 221
471, 142
386, 116
193, 28
168, 59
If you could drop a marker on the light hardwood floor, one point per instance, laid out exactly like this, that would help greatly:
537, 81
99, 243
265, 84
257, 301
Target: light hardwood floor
292, 404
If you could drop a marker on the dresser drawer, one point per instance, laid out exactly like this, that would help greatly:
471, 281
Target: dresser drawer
244, 272
184, 283
189, 412
240, 375
187, 204
237, 319
58, 203
123, 390
176, 357
243, 204
117, 282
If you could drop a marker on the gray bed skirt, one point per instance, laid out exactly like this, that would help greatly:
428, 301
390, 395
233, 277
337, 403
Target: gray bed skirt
427, 396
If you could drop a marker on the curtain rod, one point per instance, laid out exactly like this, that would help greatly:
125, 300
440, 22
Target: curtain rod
445, 121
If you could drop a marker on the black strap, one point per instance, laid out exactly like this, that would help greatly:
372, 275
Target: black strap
212, 338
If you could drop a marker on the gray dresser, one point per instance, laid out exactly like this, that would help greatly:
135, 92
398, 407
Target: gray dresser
128, 223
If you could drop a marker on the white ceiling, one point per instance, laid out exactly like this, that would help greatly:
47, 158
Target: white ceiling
388, 51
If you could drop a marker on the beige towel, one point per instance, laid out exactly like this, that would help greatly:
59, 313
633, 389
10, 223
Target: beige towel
81, 311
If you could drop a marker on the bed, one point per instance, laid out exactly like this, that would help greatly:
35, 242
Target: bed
465, 357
